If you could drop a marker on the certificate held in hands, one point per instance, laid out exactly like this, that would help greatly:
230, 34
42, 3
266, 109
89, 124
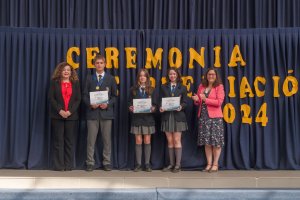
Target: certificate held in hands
99, 97
142, 105
170, 103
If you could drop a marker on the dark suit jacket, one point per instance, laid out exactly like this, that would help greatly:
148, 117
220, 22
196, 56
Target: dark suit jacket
57, 101
109, 83
180, 91
142, 119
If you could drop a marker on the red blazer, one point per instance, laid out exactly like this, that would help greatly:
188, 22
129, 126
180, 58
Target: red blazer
213, 101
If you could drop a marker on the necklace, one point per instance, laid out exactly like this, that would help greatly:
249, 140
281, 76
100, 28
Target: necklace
207, 90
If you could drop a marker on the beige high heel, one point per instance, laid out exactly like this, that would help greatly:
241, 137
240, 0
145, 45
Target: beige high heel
214, 170
207, 168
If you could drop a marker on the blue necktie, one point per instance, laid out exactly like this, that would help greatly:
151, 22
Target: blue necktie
173, 89
143, 92
99, 79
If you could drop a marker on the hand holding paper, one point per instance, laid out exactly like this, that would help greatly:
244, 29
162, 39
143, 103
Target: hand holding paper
170, 103
99, 97
142, 105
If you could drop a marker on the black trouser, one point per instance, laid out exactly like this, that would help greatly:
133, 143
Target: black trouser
63, 136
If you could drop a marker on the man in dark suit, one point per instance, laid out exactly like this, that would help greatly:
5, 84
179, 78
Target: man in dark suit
99, 116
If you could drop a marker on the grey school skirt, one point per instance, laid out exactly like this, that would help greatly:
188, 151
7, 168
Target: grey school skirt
171, 125
143, 130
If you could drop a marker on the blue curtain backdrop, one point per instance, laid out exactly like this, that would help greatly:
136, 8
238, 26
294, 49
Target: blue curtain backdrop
150, 14
28, 57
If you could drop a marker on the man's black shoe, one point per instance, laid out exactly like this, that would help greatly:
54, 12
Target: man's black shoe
148, 168
107, 168
89, 168
137, 168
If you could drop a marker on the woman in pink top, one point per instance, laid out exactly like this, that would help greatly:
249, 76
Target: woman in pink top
209, 98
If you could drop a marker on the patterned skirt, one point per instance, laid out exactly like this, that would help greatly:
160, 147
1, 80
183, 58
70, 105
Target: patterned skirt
171, 125
210, 130
143, 130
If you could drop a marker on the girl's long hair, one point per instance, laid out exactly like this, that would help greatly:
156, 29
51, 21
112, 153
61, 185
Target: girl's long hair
148, 88
178, 79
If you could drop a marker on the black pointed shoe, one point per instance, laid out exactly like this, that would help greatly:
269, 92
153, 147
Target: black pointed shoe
148, 168
137, 168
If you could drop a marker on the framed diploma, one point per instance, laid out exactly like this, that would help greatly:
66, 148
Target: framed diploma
142, 105
170, 103
99, 97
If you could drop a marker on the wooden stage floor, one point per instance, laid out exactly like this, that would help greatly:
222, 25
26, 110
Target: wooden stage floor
80, 179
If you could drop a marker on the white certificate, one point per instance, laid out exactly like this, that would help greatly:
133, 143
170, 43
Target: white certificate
99, 97
170, 103
142, 105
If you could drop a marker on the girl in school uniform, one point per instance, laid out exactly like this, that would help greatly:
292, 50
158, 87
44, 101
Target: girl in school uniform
142, 124
174, 122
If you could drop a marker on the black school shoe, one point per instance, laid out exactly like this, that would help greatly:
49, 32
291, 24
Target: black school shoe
107, 168
137, 168
176, 169
59, 170
148, 168
168, 168
89, 168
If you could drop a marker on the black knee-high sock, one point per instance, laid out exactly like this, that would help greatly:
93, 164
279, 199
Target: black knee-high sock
172, 157
178, 153
147, 153
138, 154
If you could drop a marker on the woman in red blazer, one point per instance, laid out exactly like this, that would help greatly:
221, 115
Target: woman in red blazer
209, 98
65, 97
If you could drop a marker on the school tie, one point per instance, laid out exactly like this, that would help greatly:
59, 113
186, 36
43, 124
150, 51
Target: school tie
173, 89
143, 92
99, 78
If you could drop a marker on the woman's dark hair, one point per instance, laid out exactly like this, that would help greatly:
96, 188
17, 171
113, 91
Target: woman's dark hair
218, 78
58, 71
148, 88
178, 80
